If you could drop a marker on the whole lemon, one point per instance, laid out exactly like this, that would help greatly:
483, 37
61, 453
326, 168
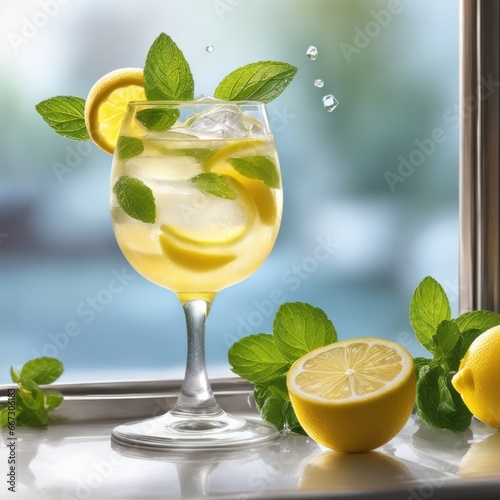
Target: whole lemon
478, 378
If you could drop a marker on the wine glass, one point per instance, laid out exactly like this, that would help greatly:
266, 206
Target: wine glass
196, 205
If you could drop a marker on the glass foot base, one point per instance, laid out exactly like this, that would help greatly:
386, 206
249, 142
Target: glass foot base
221, 432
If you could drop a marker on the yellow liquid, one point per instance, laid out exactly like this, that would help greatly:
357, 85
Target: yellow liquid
200, 243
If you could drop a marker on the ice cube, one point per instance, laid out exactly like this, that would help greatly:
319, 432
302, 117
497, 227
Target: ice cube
223, 122
174, 167
184, 206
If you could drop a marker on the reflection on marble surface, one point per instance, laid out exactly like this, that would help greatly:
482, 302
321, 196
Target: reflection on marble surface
68, 462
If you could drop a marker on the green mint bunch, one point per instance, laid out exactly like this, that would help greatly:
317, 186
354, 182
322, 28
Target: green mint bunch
439, 404
32, 404
168, 77
264, 359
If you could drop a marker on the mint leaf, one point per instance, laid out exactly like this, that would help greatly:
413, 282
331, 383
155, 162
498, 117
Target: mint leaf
260, 81
158, 119
53, 400
129, 147
428, 307
257, 167
439, 404
214, 184
445, 338
4, 417
43, 370
421, 365
478, 320
65, 115
275, 407
30, 395
135, 198
37, 418
14, 375
464, 342
299, 328
257, 359
167, 76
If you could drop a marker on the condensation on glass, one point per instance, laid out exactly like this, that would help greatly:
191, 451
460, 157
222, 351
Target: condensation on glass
480, 156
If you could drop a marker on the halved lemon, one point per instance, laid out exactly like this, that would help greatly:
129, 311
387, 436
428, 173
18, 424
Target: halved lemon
107, 102
355, 395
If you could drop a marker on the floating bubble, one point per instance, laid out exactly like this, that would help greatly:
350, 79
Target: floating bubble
330, 103
209, 48
319, 83
312, 52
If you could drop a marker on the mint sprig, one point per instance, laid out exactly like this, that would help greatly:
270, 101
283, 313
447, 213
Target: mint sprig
260, 81
264, 359
167, 75
65, 115
438, 403
32, 404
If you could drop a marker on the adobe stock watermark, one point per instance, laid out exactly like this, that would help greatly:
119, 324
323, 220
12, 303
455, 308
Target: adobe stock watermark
293, 278
3, 236
280, 118
100, 473
371, 30
223, 7
88, 310
427, 146
75, 154
31, 25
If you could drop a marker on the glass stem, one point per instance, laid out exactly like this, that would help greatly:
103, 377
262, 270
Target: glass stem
196, 398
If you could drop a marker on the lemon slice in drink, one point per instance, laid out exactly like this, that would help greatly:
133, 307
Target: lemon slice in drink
107, 102
205, 220
205, 236
355, 395
261, 194
195, 260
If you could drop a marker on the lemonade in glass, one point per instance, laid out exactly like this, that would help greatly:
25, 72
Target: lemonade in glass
196, 208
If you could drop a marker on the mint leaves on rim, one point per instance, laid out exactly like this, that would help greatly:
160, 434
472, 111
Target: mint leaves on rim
214, 184
167, 76
32, 404
260, 81
65, 115
265, 359
135, 198
439, 404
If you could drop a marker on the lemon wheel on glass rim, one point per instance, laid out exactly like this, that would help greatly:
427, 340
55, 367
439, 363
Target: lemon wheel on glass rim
107, 102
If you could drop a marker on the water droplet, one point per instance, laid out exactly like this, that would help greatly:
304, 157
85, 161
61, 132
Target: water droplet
209, 48
330, 103
319, 83
312, 52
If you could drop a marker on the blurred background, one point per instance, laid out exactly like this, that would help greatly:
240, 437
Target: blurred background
374, 183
